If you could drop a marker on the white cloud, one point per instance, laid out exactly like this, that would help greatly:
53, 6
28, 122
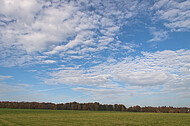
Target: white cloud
163, 68
158, 35
77, 57
20, 10
153, 74
143, 78
101, 91
24, 85
78, 77
49, 61
176, 14
2, 77
32, 70
41, 28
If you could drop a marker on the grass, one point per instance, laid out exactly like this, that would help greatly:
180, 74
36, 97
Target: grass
31, 117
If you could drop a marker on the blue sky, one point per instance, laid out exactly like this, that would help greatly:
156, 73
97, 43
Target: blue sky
131, 52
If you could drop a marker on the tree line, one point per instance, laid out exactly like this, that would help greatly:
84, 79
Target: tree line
91, 107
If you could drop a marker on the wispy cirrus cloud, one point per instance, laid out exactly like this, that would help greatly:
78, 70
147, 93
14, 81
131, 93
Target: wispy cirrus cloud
158, 35
2, 77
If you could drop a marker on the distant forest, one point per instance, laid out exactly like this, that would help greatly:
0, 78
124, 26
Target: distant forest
91, 107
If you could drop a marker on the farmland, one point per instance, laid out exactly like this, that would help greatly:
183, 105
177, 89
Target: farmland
34, 117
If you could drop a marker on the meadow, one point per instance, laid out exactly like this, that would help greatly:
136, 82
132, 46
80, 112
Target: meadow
36, 117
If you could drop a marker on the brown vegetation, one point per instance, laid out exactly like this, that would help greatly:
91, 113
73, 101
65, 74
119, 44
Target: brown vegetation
91, 107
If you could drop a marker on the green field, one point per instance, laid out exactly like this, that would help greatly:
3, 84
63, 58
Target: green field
31, 117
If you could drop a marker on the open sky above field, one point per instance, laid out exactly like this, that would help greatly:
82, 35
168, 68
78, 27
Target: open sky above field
134, 52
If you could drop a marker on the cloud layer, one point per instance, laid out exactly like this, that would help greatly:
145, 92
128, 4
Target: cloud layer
167, 70
36, 27
33, 31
